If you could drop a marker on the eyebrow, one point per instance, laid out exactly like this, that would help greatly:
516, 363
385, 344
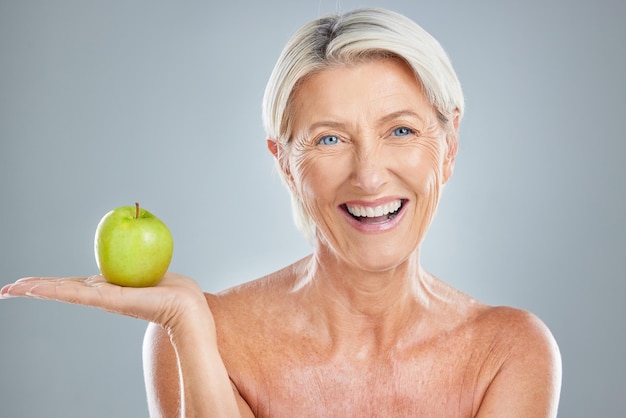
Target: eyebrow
387, 118
400, 113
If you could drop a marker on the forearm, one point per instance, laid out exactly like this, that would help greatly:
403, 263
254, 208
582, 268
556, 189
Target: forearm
184, 373
205, 387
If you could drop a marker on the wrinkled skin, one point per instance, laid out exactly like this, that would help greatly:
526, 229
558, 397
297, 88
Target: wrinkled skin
390, 144
358, 328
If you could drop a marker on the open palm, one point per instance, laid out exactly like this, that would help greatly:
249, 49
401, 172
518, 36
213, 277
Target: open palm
171, 299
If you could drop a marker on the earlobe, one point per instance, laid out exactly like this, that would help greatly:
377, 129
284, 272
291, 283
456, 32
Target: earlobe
448, 163
452, 146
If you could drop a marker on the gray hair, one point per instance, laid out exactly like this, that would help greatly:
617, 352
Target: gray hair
353, 37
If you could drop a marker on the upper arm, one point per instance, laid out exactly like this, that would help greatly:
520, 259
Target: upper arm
162, 379
528, 382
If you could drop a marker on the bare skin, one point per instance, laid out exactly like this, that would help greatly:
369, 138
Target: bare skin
456, 357
178, 309
288, 357
358, 328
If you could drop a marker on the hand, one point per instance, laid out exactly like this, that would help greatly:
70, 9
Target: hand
177, 304
164, 304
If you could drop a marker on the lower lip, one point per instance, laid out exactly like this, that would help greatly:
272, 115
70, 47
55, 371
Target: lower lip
379, 227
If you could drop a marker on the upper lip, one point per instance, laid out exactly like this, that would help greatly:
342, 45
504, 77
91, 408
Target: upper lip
379, 207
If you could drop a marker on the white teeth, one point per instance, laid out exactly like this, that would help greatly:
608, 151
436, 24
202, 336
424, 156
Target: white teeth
370, 212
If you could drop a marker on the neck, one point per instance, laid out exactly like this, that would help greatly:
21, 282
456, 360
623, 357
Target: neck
364, 309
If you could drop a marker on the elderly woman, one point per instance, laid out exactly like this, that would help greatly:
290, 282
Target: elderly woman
362, 113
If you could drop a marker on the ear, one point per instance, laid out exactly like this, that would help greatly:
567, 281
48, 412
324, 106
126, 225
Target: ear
452, 146
276, 148
272, 145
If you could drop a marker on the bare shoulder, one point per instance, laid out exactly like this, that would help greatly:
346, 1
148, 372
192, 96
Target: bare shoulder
262, 295
261, 307
519, 330
501, 333
525, 361
252, 320
514, 356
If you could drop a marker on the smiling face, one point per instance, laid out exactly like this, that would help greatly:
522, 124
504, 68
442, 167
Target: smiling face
368, 158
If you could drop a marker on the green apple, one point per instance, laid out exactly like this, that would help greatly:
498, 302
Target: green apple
133, 247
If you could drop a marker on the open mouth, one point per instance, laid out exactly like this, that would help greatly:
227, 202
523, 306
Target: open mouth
377, 214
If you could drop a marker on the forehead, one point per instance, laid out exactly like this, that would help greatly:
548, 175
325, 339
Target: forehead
363, 91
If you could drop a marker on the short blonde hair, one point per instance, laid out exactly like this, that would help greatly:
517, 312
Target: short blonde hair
358, 35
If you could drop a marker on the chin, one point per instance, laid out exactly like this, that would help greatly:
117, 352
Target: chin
375, 262
375, 253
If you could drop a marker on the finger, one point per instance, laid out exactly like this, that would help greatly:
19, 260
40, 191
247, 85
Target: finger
4, 292
81, 290
93, 291
23, 287
31, 281
27, 280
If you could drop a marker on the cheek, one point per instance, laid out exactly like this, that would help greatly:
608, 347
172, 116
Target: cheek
422, 166
317, 177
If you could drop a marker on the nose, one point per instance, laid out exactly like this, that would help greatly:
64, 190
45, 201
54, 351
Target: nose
370, 172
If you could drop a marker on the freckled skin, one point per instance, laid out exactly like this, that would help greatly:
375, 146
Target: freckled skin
369, 161
359, 328
288, 357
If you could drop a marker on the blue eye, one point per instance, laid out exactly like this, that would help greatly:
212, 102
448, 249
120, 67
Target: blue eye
402, 131
328, 140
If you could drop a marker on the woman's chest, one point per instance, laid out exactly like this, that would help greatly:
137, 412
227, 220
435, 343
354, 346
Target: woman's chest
433, 380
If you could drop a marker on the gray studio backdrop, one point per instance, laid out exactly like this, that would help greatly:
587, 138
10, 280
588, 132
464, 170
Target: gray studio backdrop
103, 103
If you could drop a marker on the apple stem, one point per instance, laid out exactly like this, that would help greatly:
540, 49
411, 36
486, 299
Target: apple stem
136, 210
